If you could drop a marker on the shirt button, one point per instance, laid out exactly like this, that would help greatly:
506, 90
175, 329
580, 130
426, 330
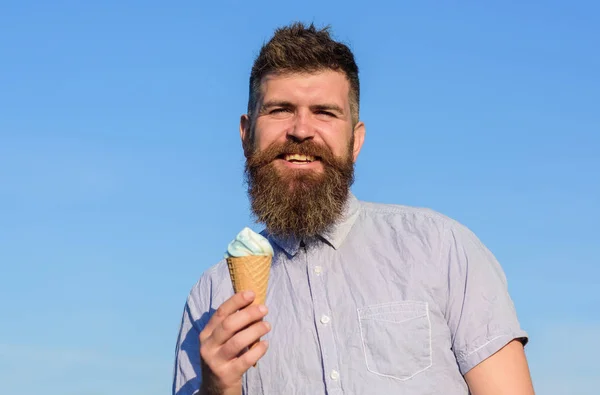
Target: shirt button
318, 269
334, 375
325, 319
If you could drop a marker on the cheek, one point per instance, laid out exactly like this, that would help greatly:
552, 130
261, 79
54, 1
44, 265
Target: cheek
340, 146
266, 135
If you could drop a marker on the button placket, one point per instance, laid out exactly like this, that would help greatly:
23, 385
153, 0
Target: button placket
322, 316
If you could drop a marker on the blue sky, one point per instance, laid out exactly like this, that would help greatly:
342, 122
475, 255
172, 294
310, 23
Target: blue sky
121, 168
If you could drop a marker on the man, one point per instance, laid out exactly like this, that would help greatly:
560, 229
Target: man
363, 298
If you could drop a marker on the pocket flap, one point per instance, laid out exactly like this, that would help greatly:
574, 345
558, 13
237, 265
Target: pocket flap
394, 311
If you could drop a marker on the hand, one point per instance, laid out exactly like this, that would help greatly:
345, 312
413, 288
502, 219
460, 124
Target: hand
233, 327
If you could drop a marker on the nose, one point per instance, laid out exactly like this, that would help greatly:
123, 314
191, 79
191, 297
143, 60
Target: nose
301, 129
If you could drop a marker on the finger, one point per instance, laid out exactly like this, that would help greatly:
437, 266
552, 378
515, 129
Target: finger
250, 357
230, 306
243, 339
236, 322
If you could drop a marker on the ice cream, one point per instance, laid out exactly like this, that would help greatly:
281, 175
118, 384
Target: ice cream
249, 258
248, 242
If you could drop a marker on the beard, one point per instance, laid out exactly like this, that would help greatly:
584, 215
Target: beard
298, 203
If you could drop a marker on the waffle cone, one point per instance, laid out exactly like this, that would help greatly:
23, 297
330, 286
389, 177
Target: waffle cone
251, 273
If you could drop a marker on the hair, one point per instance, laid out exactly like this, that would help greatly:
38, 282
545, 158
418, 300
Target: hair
298, 48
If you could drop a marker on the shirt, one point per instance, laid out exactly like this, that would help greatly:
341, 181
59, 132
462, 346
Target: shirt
391, 300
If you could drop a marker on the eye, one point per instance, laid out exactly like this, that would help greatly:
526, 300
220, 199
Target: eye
279, 110
326, 113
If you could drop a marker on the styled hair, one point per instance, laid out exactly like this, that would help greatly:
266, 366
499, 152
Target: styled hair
298, 48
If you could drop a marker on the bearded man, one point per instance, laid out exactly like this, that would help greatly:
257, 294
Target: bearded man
363, 298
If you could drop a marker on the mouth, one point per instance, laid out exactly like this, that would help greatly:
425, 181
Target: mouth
300, 161
298, 158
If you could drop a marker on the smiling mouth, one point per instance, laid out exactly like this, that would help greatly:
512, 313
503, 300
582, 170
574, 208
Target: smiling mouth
298, 158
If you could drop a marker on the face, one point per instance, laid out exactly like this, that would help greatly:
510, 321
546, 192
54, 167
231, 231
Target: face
300, 148
311, 108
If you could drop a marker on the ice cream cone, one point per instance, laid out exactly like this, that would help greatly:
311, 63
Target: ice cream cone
251, 273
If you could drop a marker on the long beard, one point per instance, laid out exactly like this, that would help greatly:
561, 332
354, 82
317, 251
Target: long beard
295, 202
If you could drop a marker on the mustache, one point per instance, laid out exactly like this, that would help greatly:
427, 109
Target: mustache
308, 148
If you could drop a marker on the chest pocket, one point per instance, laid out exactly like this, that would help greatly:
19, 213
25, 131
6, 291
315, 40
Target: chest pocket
396, 338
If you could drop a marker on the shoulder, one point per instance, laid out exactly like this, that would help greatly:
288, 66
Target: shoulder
425, 224
419, 221
407, 216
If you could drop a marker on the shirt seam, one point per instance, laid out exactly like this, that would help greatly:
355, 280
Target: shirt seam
467, 355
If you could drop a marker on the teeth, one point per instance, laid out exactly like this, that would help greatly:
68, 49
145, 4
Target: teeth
299, 158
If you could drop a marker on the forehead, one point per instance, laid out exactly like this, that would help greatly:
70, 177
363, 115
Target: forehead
327, 85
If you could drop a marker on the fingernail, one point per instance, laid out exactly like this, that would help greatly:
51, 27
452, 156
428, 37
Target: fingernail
262, 309
268, 325
248, 295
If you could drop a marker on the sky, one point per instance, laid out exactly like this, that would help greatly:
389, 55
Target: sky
121, 167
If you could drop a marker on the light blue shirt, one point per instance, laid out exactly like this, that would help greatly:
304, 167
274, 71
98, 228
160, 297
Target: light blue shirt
392, 300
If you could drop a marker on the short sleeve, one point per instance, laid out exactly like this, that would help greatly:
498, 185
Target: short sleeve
480, 312
187, 376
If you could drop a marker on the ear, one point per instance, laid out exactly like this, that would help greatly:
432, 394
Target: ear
359, 139
246, 133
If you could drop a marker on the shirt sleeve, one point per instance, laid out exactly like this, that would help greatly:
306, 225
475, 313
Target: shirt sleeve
187, 376
480, 312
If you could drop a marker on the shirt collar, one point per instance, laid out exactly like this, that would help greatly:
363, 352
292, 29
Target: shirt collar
334, 235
